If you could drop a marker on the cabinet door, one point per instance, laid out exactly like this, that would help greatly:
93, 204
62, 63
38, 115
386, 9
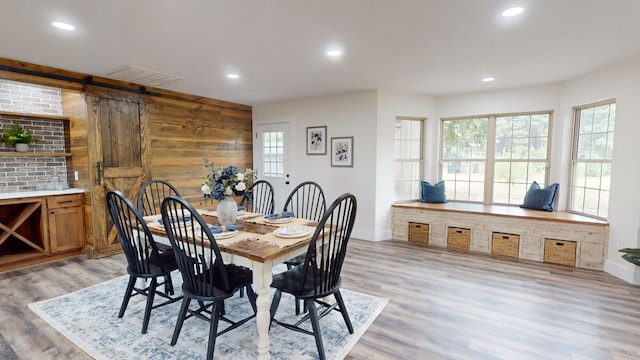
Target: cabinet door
66, 229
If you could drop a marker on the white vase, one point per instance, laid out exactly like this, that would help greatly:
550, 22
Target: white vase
227, 211
20, 147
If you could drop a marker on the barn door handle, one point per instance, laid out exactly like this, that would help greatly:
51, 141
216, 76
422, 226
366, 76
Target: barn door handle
99, 170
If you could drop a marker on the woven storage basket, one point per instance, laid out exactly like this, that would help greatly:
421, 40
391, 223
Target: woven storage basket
419, 233
560, 252
505, 244
459, 238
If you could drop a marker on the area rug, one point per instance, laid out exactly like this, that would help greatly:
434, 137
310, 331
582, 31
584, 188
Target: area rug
88, 318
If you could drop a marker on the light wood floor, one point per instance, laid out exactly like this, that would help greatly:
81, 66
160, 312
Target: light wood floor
443, 305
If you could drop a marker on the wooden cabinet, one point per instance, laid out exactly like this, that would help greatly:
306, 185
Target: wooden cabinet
66, 225
22, 232
40, 228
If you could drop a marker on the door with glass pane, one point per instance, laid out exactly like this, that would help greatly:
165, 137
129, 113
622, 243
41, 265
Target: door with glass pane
273, 159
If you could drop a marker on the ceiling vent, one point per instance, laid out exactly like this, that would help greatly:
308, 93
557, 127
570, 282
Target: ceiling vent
142, 76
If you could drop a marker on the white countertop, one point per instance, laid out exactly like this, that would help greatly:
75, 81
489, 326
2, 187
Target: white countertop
26, 194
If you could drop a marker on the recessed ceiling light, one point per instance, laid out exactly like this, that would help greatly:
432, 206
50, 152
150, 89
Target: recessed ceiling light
513, 11
63, 26
334, 53
233, 76
488, 79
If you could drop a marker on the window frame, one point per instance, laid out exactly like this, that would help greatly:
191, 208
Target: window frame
420, 160
574, 154
490, 157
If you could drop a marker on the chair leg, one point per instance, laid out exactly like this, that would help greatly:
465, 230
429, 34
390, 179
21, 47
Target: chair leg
274, 304
213, 330
127, 295
297, 306
221, 308
251, 295
289, 267
168, 285
343, 311
313, 316
181, 316
151, 292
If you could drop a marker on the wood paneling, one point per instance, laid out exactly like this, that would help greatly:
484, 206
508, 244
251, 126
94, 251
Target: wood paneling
182, 128
182, 136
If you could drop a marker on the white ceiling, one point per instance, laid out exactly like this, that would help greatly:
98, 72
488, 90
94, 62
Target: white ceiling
430, 47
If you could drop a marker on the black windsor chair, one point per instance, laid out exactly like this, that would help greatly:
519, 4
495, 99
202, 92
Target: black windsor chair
306, 201
319, 275
152, 193
206, 278
144, 259
150, 198
259, 198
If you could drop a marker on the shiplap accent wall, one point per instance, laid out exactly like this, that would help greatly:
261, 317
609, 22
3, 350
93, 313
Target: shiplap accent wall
20, 173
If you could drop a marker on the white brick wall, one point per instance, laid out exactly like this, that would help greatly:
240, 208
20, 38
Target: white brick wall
30, 99
21, 173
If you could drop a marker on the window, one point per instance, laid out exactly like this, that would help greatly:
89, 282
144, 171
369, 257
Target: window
464, 156
521, 153
408, 158
591, 159
273, 148
494, 159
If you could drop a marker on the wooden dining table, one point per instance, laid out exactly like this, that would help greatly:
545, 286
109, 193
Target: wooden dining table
257, 247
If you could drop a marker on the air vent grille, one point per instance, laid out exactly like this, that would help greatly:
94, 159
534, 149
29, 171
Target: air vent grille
142, 76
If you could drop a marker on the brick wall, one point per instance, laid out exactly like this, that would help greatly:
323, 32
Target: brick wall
29, 99
22, 173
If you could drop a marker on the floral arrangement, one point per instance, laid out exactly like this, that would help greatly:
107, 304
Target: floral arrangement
228, 181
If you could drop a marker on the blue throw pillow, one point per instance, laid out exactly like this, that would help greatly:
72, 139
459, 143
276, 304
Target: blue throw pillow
433, 193
538, 198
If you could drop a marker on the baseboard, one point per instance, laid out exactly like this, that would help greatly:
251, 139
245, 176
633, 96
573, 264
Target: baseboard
371, 236
622, 271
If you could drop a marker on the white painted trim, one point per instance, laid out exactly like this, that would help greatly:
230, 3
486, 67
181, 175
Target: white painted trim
620, 271
371, 236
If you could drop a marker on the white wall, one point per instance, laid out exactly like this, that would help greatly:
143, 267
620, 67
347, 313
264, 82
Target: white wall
391, 105
537, 98
352, 114
623, 83
369, 117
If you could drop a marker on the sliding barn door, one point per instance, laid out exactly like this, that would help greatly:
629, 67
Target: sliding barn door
119, 155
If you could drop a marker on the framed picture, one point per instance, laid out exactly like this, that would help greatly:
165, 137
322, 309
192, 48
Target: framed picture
342, 151
317, 140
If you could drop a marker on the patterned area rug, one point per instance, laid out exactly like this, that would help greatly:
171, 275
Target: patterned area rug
89, 319
6, 353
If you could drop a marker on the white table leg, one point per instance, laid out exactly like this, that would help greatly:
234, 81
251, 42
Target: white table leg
262, 278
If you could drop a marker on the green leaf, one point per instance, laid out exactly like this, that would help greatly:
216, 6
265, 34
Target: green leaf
630, 251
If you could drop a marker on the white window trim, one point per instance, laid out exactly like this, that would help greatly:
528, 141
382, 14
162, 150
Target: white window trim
490, 155
574, 153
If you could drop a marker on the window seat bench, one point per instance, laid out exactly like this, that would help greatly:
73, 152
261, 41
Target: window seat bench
555, 237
